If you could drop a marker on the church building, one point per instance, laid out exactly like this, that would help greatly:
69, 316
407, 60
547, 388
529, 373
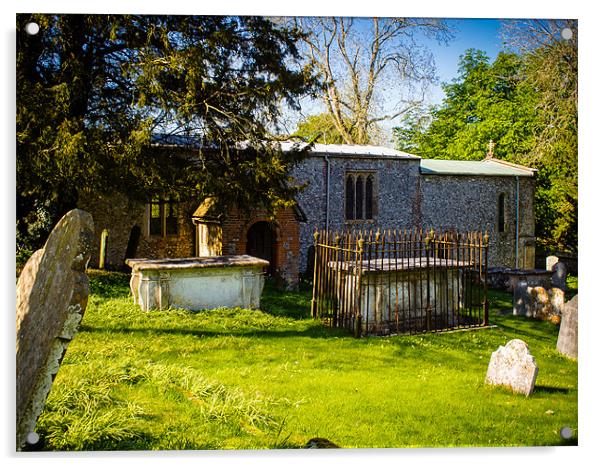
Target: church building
348, 186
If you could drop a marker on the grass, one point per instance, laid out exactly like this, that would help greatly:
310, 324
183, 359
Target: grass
244, 379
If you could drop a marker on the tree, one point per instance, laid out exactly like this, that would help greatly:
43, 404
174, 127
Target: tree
524, 102
550, 51
365, 63
485, 102
319, 128
92, 89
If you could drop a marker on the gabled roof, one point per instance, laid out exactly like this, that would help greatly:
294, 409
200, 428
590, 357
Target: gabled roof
349, 150
209, 211
487, 167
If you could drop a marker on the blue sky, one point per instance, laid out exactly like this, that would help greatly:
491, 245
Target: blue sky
483, 34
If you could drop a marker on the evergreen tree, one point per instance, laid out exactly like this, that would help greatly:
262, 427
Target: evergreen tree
91, 90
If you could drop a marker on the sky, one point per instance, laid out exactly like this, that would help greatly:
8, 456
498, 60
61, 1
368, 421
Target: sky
483, 34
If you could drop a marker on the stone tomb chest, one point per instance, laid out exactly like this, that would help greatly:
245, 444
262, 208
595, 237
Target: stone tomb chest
197, 283
405, 295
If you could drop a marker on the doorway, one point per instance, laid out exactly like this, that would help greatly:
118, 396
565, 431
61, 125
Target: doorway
262, 243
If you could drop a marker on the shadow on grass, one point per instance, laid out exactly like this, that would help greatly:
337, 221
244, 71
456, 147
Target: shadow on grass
547, 389
317, 331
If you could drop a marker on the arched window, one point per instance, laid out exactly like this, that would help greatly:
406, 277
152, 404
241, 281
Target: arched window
360, 195
369, 197
501, 214
349, 198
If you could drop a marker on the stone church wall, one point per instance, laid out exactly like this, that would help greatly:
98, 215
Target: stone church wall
471, 203
397, 201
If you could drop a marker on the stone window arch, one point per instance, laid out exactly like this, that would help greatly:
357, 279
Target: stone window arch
360, 196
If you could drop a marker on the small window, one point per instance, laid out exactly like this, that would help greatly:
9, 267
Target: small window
501, 214
163, 216
360, 196
155, 217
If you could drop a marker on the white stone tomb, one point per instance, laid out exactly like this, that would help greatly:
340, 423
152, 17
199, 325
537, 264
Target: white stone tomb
197, 283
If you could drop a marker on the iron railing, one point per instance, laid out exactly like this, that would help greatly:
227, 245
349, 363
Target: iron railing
398, 281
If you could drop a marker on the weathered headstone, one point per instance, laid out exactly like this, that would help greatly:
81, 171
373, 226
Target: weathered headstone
513, 366
537, 301
551, 261
544, 304
52, 294
567, 342
558, 279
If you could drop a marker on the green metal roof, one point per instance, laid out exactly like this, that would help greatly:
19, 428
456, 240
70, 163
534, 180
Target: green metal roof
488, 167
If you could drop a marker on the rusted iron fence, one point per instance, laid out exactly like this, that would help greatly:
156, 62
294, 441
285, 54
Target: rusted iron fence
389, 282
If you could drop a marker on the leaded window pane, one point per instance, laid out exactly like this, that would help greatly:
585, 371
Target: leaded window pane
349, 198
359, 197
369, 197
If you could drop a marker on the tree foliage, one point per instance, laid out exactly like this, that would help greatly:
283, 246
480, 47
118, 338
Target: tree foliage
551, 57
525, 101
92, 89
486, 102
368, 64
319, 128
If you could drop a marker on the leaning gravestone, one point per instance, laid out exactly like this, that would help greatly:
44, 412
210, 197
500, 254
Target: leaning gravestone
513, 366
52, 293
567, 342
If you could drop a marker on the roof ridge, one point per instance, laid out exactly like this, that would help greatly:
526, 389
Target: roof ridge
510, 164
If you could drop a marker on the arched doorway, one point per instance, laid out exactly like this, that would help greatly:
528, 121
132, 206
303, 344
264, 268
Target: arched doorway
262, 242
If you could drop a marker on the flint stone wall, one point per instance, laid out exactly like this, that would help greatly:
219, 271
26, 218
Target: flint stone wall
470, 203
397, 195
408, 199
52, 294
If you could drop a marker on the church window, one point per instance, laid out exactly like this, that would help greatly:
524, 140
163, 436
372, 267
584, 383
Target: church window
163, 216
360, 195
501, 214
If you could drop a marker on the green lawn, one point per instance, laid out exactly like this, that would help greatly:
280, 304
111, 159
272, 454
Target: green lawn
243, 379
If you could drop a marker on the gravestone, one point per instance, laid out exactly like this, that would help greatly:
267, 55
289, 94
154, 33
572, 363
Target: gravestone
52, 294
551, 261
558, 279
521, 299
537, 301
514, 367
543, 303
567, 342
